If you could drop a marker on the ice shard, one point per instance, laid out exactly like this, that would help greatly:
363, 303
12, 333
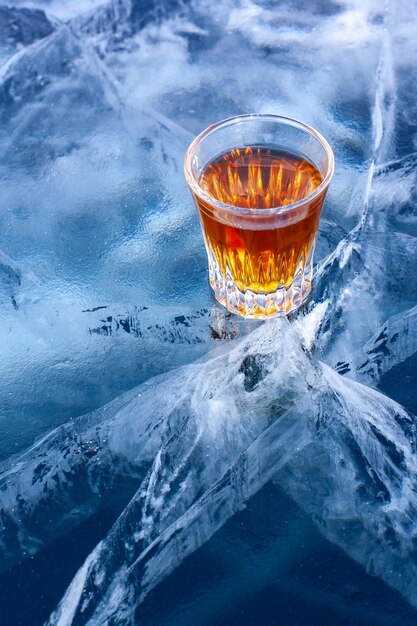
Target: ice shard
313, 421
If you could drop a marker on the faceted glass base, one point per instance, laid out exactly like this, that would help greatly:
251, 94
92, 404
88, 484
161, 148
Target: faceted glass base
252, 305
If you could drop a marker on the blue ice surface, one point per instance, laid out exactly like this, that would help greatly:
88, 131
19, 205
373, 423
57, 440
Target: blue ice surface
164, 462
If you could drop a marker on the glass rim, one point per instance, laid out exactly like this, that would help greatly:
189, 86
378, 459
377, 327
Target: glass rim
213, 202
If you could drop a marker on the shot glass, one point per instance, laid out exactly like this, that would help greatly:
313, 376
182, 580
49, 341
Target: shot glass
259, 183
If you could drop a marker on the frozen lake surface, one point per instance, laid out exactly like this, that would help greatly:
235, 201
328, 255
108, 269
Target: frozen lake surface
163, 462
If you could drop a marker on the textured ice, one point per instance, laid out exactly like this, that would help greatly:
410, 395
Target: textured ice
22, 26
274, 413
137, 388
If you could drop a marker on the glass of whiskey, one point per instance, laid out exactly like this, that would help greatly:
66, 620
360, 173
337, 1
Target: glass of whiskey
259, 183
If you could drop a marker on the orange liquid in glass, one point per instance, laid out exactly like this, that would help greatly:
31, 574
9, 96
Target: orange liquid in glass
260, 258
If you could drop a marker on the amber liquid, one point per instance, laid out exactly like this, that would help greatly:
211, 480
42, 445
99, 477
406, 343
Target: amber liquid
265, 254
